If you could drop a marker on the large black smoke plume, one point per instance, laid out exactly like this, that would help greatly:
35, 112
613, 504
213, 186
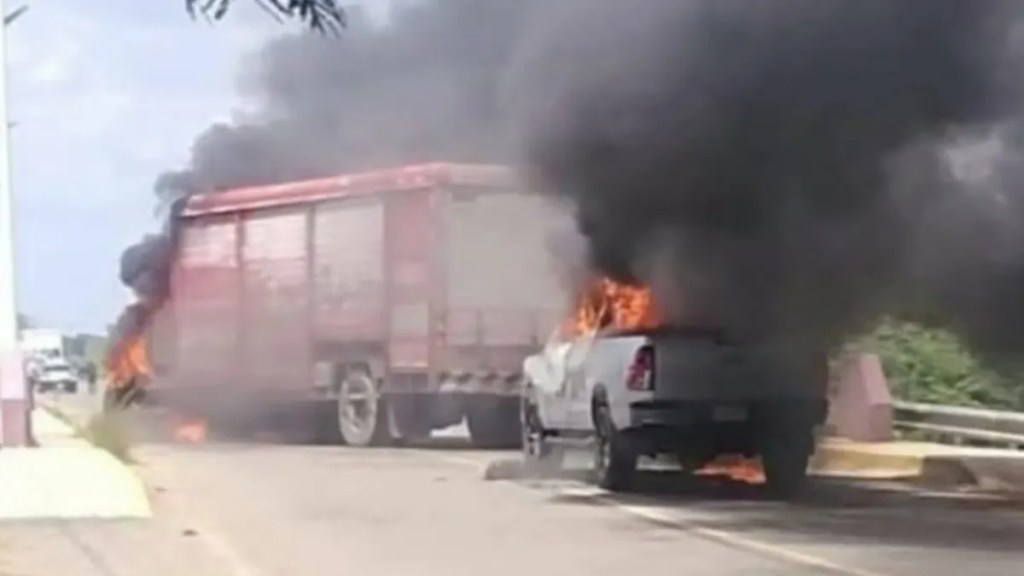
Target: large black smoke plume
786, 167
781, 166
422, 87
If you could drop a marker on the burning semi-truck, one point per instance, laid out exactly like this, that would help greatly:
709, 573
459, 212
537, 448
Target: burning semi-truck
394, 302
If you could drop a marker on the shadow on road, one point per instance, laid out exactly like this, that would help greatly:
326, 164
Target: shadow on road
154, 427
831, 510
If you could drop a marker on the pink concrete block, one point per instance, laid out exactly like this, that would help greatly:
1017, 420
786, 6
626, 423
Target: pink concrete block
861, 405
15, 401
15, 424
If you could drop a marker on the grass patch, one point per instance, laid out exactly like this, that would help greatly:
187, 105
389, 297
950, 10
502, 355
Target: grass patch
63, 417
111, 432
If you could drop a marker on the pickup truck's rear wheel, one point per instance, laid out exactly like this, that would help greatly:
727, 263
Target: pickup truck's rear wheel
362, 412
785, 460
615, 459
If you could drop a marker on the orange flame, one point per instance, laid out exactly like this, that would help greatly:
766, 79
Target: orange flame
735, 467
192, 431
127, 360
608, 303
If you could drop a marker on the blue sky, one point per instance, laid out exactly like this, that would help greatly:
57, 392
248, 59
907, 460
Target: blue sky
106, 94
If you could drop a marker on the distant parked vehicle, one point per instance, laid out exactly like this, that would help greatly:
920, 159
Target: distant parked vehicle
47, 366
56, 376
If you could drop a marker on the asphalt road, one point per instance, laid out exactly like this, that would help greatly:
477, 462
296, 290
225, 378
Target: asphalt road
329, 510
256, 509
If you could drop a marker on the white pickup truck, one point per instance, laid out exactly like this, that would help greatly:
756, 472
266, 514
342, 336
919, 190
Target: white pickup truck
687, 393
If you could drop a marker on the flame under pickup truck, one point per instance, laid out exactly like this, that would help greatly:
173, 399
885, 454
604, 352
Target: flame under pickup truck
683, 392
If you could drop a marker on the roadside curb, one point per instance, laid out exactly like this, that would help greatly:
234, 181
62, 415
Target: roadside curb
922, 464
849, 460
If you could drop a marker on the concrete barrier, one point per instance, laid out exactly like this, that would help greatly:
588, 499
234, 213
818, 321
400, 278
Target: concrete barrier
861, 407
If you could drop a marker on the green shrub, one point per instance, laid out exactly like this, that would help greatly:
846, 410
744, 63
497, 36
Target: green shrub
931, 365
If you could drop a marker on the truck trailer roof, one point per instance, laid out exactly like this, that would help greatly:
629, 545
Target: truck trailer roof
414, 177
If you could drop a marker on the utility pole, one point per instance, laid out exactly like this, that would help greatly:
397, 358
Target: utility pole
15, 398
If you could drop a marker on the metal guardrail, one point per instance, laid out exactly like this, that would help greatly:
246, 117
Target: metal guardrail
967, 426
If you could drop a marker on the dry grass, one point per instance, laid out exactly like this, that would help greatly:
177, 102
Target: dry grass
110, 431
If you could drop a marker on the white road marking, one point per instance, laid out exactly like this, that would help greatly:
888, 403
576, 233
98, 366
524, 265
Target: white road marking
730, 539
745, 543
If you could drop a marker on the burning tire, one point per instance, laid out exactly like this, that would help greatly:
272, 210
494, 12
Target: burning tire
362, 412
615, 460
494, 422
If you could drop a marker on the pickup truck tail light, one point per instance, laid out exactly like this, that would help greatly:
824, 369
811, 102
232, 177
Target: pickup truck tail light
640, 375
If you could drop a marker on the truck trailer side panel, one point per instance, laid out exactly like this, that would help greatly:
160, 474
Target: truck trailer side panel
275, 294
503, 293
206, 306
373, 279
348, 270
410, 274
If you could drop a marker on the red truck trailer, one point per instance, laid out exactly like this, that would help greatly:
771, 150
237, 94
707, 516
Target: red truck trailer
397, 301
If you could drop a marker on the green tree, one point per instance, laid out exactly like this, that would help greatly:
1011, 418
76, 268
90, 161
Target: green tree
319, 15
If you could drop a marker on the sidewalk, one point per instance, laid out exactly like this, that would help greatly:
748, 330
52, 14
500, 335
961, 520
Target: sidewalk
65, 477
70, 509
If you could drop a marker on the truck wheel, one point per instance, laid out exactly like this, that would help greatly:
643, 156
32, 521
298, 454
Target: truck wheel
614, 458
494, 422
785, 462
362, 413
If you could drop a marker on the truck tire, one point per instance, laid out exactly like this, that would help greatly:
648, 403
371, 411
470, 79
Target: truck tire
362, 411
785, 461
494, 422
615, 460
